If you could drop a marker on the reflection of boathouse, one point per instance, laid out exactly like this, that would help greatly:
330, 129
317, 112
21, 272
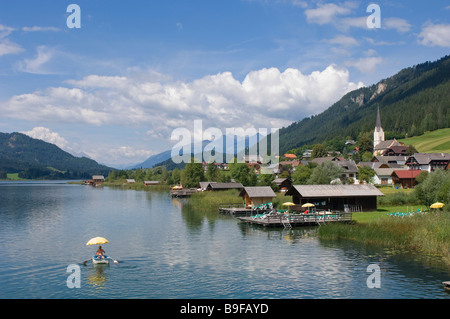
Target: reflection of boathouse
351, 197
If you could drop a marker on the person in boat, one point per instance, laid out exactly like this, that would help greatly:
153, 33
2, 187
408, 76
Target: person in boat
100, 252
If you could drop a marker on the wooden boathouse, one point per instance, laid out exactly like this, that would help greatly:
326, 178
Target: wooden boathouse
256, 199
353, 197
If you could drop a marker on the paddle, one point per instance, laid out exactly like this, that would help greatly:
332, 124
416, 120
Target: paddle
85, 262
115, 261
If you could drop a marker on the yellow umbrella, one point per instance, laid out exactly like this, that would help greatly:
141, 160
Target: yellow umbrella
97, 241
437, 205
288, 204
308, 205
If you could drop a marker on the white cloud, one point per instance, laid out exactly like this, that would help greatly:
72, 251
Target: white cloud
343, 40
397, 24
435, 35
366, 64
39, 29
265, 98
326, 13
45, 134
8, 47
38, 64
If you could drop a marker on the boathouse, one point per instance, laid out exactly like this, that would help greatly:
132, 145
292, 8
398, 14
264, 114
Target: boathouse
255, 196
352, 197
215, 186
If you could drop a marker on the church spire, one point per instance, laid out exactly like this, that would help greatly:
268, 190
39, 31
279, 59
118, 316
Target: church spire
378, 124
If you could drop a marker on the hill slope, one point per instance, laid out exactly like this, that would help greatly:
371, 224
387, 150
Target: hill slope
413, 101
431, 142
33, 158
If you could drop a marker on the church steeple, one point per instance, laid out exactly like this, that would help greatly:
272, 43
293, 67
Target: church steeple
378, 134
378, 125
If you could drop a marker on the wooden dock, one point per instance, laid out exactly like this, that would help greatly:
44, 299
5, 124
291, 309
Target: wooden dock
294, 220
185, 192
240, 210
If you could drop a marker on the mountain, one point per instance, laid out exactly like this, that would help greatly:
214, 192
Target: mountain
164, 158
414, 101
153, 160
34, 158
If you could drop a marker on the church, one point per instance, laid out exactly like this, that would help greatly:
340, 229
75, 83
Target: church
379, 144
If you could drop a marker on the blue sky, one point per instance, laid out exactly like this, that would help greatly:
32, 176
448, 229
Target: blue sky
117, 87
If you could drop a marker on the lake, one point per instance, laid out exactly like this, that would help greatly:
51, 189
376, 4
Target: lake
165, 251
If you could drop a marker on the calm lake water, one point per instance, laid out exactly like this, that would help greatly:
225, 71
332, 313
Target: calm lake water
168, 252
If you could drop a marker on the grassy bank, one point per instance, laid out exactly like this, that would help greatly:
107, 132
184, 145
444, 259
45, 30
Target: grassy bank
210, 201
428, 233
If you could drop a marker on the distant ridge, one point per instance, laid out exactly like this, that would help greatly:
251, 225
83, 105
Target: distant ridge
35, 159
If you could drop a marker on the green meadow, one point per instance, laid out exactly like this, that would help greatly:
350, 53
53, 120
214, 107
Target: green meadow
431, 142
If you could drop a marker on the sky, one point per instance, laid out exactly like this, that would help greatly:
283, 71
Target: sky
115, 86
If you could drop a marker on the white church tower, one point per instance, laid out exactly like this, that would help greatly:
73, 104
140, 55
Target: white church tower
378, 134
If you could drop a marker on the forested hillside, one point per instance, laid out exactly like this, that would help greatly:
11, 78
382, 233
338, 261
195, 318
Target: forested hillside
33, 158
413, 101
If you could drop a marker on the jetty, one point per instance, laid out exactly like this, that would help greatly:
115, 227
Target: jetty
241, 210
182, 192
276, 219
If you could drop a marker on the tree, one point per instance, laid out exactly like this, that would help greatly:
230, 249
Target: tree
411, 150
325, 173
318, 151
366, 174
212, 172
365, 144
432, 189
192, 175
301, 175
239, 172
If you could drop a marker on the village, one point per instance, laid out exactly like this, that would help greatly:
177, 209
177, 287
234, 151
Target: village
342, 186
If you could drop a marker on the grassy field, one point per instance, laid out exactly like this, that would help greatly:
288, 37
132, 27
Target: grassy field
431, 142
428, 233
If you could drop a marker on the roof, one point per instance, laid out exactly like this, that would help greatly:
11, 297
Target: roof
426, 158
214, 185
98, 177
348, 166
258, 191
350, 190
386, 144
385, 171
290, 155
410, 173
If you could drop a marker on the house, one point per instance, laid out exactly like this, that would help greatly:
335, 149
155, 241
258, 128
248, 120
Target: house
215, 186
130, 181
350, 169
428, 161
398, 150
256, 195
406, 178
361, 197
400, 161
283, 183
349, 166
148, 183
383, 146
291, 156
383, 176
98, 178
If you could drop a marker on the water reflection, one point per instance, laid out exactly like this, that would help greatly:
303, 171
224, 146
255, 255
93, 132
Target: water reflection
98, 276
